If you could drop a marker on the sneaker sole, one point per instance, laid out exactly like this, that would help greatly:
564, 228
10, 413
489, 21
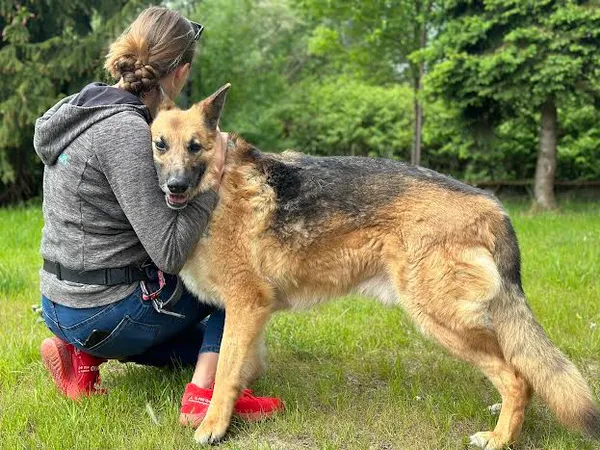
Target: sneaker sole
194, 420
56, 360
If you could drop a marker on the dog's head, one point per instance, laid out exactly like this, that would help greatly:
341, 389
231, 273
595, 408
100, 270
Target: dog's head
183, 144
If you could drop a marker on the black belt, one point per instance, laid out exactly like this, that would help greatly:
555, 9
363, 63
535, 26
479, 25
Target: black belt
108, 277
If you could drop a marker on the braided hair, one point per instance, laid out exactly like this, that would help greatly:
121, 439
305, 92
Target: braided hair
154, 45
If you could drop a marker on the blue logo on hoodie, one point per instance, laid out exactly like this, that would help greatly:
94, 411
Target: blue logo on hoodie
63, 159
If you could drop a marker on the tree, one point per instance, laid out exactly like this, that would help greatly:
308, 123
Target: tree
48, 50
496, 58
375, 41
262, 56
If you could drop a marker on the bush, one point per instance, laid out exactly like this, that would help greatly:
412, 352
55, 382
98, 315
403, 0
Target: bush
350, 117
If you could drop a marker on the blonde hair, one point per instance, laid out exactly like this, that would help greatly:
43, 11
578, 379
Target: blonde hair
154, 45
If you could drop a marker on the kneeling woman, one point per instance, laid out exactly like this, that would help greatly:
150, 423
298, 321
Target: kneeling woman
110, 243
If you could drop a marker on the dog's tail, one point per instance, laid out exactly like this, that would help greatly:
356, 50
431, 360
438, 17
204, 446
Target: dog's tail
527, 348
556, 379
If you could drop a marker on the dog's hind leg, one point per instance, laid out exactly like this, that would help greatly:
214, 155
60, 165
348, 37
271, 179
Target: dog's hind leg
247, 311
448, 291
481, 348
257, 361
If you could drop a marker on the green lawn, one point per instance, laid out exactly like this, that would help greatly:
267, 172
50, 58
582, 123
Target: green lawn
353, 373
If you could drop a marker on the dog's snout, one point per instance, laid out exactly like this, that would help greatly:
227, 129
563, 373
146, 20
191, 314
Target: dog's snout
177, 185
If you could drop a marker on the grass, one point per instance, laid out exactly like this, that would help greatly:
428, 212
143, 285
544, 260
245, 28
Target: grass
353, 373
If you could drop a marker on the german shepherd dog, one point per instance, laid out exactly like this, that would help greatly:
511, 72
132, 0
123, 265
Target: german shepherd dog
291, 230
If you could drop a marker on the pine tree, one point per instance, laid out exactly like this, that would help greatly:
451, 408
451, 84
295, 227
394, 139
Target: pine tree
497, 58
48, 49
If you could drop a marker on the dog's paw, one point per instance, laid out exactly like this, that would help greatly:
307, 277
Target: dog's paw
210, 431
488, 440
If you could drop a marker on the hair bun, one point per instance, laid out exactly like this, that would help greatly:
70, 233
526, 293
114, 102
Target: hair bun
136, 76
128, 60
155, 43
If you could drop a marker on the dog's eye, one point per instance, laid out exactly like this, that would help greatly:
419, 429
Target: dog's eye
194, 147
160, 145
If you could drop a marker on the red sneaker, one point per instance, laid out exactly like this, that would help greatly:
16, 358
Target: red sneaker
252, 408
194, 405
75, 373
195, 401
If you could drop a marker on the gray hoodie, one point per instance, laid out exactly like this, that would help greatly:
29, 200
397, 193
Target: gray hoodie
102, 206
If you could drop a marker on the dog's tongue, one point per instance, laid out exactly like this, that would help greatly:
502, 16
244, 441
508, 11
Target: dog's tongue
177, 199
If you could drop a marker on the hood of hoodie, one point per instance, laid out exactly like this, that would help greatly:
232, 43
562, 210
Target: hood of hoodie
70, 117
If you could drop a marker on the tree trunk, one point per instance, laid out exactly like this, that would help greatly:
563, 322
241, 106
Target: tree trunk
546, 162
415, 157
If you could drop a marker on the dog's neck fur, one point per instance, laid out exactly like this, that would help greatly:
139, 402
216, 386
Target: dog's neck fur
240, 162
239, 151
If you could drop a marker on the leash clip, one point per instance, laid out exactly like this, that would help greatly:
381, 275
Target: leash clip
146, 294
159, 308
154, 297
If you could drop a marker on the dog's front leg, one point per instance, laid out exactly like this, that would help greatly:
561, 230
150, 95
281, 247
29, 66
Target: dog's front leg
245, 320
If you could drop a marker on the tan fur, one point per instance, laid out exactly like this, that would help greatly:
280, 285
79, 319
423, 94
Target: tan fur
425, 251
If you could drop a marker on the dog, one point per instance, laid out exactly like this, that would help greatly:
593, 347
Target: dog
292, 230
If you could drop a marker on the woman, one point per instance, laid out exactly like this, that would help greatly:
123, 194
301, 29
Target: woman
110, 244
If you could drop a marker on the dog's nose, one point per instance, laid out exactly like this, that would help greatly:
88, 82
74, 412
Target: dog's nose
177, 185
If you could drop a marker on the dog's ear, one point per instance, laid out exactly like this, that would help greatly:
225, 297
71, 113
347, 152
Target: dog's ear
212, 107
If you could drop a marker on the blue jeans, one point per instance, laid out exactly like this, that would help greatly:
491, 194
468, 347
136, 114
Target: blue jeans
132, 330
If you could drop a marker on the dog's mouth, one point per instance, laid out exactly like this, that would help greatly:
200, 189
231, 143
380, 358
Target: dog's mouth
177, 201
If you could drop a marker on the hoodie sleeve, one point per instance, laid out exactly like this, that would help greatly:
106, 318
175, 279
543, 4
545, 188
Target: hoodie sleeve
122, 144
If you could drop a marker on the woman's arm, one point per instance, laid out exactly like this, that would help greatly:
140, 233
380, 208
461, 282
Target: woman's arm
122, 144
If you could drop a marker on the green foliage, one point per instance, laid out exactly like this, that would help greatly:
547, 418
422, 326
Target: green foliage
495, 57
509, 151
261, 55
48, 50
578, 151
503, 61
369, 40
342, 116
337, 77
